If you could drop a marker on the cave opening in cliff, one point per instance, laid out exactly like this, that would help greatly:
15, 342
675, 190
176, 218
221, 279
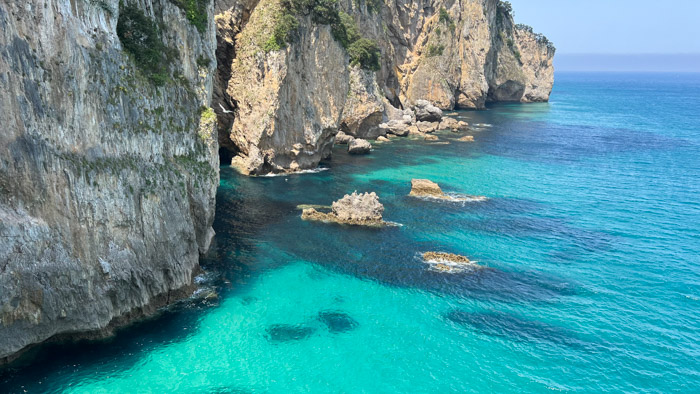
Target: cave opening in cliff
226, 155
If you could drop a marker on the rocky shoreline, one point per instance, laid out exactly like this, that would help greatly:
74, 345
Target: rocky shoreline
118, 113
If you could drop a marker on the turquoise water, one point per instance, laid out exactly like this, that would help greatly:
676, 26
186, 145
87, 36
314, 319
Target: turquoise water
591, 236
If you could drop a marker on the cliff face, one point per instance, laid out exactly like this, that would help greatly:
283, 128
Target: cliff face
461, 53
289, 102
108, 162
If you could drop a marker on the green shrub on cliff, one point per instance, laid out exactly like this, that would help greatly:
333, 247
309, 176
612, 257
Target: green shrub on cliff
444, 17
503, 10
365, 53
282, 33
372, 5
141, 38
435, 50
362, 51
195, 11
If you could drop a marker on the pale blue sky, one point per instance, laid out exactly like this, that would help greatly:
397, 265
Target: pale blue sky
614, 26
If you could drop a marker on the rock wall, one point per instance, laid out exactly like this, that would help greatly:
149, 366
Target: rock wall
453, 53
108, 170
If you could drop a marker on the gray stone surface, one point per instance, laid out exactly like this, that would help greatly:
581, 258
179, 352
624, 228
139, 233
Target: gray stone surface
107, 183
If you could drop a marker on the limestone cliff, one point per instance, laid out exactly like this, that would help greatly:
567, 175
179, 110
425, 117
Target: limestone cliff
108, 161
453, 53
289, 101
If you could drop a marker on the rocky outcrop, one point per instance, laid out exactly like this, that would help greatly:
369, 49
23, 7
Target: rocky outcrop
453, 124
359, 146
354, 209
450, 263
108, 163
425, 187
287, 103
428, 189
427, 112
343, 139
446, 257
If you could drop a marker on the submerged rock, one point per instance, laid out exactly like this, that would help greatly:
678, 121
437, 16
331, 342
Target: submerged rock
431, 137
427, 112
337, 322
288, 332
355, 209
425, 187
359, 146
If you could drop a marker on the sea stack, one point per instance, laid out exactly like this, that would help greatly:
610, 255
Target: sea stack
354, 209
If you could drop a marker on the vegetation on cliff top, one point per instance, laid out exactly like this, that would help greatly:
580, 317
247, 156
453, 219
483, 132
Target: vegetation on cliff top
540, 38
363, 51
141, 38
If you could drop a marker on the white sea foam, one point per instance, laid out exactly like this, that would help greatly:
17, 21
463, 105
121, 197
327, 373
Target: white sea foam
453, 266
313, 171
454, 197
483, 125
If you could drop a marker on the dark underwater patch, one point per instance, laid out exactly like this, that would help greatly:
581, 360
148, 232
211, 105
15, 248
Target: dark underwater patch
515, 328
337, 322
288, 332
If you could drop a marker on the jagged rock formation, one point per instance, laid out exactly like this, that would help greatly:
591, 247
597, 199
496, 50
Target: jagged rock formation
287, 103
362, 209
108, 162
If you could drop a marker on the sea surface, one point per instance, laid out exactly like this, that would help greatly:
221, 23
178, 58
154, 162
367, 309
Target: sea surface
589, 243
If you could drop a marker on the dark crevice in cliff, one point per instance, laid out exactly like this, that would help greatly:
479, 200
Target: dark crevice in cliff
232, 16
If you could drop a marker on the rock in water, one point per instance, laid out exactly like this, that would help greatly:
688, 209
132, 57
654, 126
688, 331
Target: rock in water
431, 138
427, 112
467, 138
453, 124
382, 139
343, 139
446, 257
396, 127
355, 209
427, 127
358, 208
425, 187
359, 146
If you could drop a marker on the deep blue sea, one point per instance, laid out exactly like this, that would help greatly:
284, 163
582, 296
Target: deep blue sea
590, 239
